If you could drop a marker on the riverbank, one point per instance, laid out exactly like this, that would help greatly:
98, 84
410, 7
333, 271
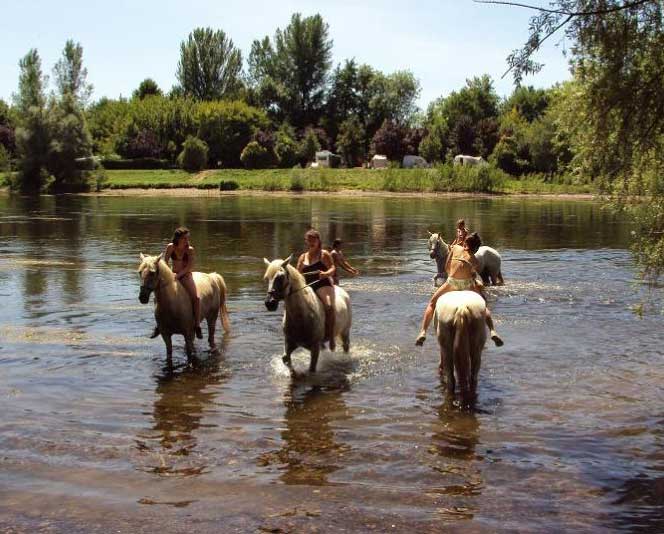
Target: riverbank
414, 181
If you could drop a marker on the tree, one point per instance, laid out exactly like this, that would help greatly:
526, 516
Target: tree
350, 142
531, 103
32, 136
389, 140
71, 76
147, 87
210, 65
618, 97
309, 146
290, 73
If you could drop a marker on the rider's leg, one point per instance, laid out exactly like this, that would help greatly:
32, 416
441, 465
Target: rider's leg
428, 313
326, 294
489, 320
190, 286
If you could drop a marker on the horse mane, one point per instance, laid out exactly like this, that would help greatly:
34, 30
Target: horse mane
165, 272
296, 279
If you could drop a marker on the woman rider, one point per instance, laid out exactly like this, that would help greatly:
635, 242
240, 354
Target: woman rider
182, 255
317, 267
461, 267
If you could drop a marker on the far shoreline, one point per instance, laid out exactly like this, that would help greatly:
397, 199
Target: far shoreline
196, 192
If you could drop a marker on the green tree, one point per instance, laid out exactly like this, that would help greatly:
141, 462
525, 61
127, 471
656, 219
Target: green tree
210, 65
309, 146
290, 73
70, 74
147, 87
618, 99
32, 135
529, 102
350, 142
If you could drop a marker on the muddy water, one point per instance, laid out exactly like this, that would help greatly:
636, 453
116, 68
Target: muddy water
97, 433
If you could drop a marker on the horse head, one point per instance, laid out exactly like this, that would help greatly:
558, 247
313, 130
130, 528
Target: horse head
148, 270
278, 282
435, 245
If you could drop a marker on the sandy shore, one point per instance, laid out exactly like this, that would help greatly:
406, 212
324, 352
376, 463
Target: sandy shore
193, 192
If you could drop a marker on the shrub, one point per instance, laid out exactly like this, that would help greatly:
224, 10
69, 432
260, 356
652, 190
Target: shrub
139, 144
309, 146
228, 185
194, 155
254, 156
4, 159
505, 156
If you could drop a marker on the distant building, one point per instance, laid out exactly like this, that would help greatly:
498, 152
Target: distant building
379, 162
411, 162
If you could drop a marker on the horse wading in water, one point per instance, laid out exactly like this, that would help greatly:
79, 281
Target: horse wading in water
304, 313
489, 258
461, 331
172, 308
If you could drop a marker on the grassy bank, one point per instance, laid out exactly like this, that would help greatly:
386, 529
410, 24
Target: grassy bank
441, 179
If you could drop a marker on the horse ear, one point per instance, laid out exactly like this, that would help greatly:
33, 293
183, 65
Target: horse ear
430, 234
266, 261
142, 256
287, 261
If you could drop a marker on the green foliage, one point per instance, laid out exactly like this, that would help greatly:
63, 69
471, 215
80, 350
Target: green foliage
228, 185
194, 155
528, 102
227, 127
505, 156
255, 156
135, 163
69, 141
350, 142
309, 146
71, 76
107, 121
147, 87
210, 65
285, 147
290, 72
5, 162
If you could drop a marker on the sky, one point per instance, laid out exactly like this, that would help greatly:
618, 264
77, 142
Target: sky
442, 42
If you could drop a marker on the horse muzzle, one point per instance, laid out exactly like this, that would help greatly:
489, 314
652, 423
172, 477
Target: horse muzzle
271, 303
144, 295
432, 254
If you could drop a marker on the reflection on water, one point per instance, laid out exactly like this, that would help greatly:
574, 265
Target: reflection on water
96, 428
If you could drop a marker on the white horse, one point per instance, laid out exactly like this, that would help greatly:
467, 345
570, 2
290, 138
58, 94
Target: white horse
304, 314
173, 309
489, 259
461, 332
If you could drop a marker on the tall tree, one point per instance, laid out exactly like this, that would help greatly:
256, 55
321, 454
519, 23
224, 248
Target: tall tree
210, 65
292, 70
70, 75
32, 136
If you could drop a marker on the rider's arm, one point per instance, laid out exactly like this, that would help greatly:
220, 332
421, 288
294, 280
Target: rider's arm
347, 266
326, 258
300, 262
189, 267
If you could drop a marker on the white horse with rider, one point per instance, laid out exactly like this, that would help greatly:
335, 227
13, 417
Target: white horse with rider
304, 312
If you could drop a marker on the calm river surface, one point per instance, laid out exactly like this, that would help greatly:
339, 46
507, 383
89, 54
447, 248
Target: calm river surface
98, 435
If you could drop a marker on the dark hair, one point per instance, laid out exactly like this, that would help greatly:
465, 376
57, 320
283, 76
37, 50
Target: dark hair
312, 233
474, 242
179, 232
336, 243
461, 223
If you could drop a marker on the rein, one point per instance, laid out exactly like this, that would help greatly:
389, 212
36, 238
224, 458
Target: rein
291, 292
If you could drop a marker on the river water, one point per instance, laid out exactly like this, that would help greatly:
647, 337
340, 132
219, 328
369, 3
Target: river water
97, 433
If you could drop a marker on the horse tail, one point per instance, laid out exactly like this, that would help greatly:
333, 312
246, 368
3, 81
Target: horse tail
223, 293
461, 345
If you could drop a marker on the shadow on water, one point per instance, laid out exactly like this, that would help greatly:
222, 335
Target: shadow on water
183, 396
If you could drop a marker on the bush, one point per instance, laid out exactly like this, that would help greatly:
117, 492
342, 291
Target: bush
254, 156
137, 163
228, 185
4, 159
139, 144
194, 155
505, 156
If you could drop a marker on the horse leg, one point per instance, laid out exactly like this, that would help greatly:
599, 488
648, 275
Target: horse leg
169, 345
345, 340
288, 350
189, 346
314, 358
501, 280
211, 322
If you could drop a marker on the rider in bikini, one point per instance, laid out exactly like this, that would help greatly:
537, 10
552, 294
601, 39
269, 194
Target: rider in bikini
340, 261
182, 255
461, 267
317, 267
